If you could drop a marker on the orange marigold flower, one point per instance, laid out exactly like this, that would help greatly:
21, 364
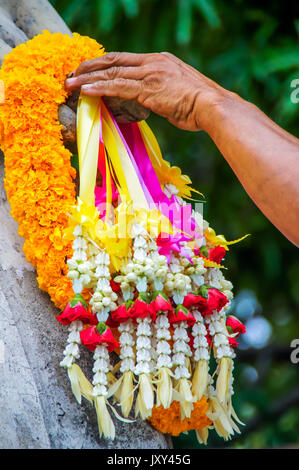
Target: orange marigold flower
169, 420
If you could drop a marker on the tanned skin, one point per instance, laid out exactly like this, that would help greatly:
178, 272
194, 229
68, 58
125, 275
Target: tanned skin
264, 157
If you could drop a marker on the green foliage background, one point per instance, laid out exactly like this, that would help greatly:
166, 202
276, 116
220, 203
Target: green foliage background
252, 49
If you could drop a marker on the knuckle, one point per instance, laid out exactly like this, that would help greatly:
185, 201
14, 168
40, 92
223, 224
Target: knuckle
111, 73
167, 54
111, 57
121, 82
152, 57
158, 71
157, 56
148, 70
89, 75
84, 64
82, 67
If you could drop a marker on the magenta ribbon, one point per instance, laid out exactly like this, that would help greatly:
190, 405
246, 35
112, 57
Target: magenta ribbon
134, 139
172, 243
180, 216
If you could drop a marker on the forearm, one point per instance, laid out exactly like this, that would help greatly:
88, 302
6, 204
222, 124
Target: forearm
264, 157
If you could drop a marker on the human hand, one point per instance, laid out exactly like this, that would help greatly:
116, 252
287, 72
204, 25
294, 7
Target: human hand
159, 81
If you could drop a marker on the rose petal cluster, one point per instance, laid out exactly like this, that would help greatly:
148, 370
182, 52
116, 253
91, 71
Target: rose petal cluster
161, 303
217, 254
236, 328
76, 310
118, 316
235, 325
216, 300
91, 338
180, 314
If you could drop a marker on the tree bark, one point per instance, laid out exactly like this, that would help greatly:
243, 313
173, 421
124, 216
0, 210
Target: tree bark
37, 408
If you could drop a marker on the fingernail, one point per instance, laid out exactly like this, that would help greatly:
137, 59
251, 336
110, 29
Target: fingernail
69, 81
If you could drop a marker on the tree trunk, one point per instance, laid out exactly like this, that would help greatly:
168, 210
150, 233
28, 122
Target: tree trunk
37, 408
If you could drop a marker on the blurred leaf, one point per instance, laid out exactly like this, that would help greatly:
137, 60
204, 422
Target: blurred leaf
130, 7
184, 21
209, 12
265, 31
164, 27
276, 60
107, 13
72, 11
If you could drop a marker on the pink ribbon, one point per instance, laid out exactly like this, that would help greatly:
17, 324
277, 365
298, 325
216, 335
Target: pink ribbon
180, 216
172, 243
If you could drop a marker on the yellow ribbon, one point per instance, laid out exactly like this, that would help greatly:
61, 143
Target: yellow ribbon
84, 215
88, 131
219, 240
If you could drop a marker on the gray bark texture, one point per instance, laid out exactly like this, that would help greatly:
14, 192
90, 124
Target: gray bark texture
37, 408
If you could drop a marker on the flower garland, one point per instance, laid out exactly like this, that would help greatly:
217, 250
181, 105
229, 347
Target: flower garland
39, 178
125, 269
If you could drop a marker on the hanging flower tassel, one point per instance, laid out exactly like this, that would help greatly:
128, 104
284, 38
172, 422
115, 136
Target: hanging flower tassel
75, 315
201, 357
100, 340
177, 284
76, 311
234, 329
79, 267
202, 435
137, 272
196, 272
181, 319
162, 307
219, 416
103, 299
158, 265
223, 354
124, 387
220, 402
142, 313
100, 392
92, 252
197, 303
71, 353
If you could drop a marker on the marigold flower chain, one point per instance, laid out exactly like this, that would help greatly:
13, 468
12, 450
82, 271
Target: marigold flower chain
39, 178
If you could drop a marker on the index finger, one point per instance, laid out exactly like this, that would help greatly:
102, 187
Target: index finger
111, 59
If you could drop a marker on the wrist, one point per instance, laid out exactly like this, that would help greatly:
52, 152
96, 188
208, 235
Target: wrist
212, 108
